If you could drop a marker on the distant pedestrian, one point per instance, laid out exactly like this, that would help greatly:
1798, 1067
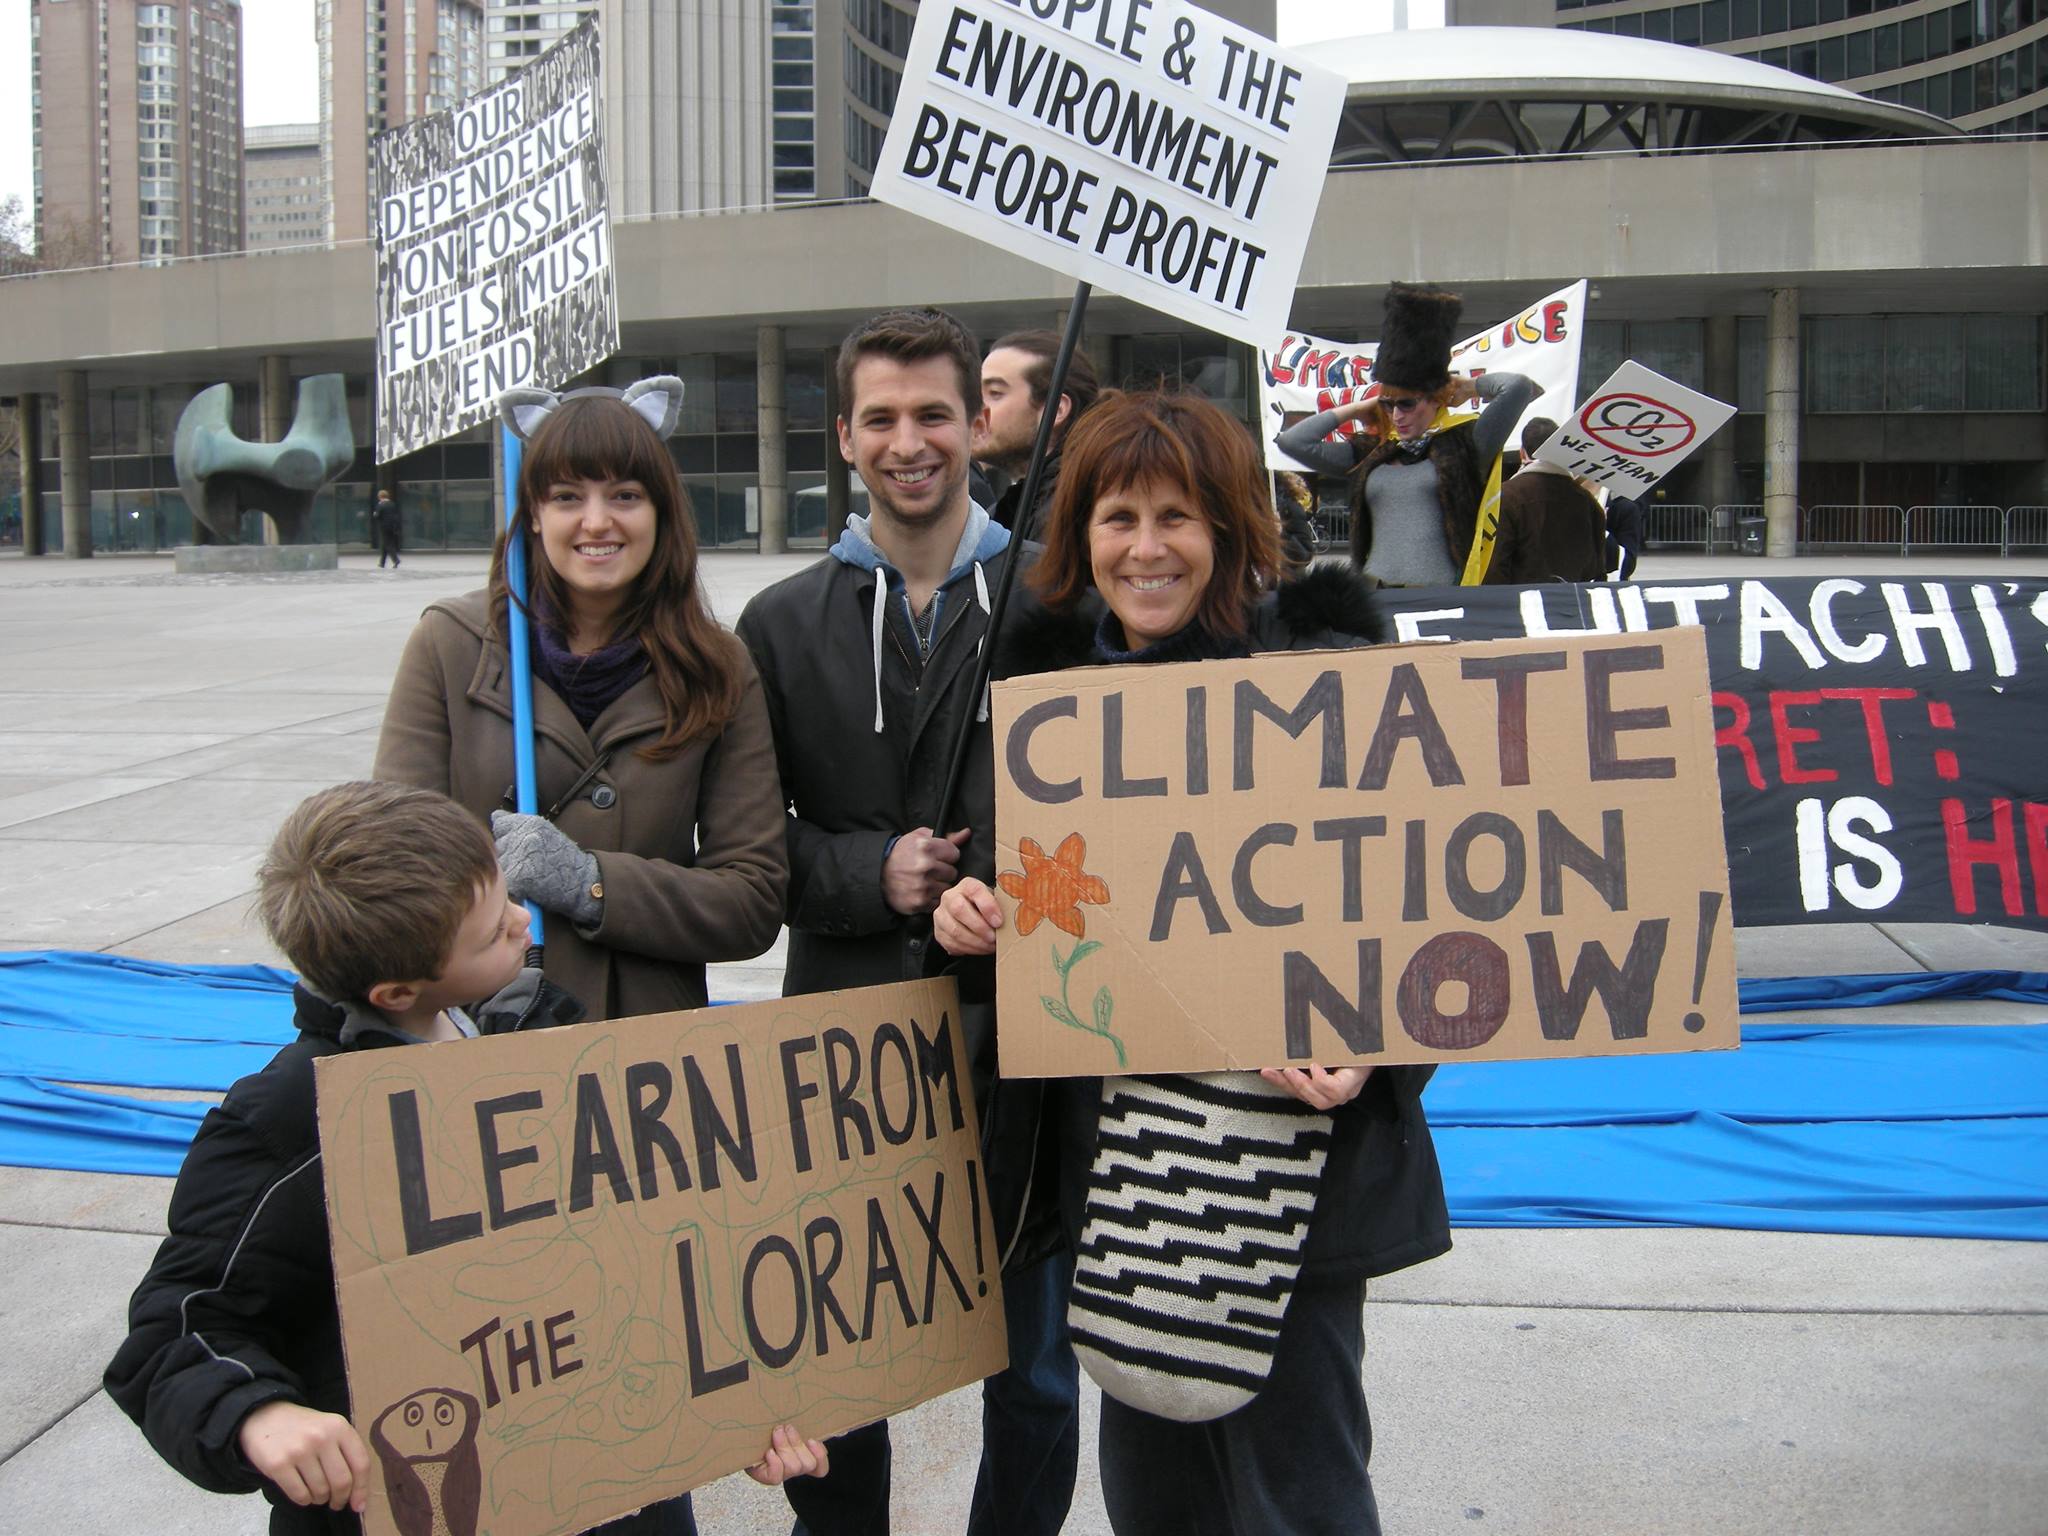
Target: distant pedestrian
388, 523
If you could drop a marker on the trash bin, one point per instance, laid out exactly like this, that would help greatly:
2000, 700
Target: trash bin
1749, 535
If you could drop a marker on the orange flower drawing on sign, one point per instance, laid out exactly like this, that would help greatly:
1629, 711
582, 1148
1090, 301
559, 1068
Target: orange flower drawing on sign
1052, 889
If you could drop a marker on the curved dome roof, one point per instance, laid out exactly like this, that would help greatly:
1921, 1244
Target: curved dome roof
1661, 95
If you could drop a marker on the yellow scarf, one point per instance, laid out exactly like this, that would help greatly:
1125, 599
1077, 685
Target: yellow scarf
1486, 528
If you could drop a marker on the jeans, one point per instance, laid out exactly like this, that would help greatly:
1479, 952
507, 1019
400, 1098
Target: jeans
671, 1517
854, 1499
1031, 1433
1291, 1462
1030, 1413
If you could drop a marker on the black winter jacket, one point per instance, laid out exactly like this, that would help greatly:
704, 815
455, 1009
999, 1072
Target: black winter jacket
1381, 1205
852, 789
238, 1308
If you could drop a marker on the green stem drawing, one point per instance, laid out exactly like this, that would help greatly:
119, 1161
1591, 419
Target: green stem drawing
1063, 1010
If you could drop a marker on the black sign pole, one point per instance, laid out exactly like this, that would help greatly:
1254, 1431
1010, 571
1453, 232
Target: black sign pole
1040, 450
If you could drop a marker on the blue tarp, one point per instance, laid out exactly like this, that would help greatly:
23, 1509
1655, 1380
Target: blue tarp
1892, 1129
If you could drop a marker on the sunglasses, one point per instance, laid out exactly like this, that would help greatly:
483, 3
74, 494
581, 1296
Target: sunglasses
1407, 404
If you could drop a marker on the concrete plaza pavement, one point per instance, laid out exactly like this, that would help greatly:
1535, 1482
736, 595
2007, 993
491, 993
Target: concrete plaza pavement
153, 729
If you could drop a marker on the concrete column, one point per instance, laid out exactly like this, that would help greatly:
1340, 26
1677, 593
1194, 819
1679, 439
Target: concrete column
274, 384
28, 419
1723, 372
771, 423
274, 409
838, 473
74, 464
1781, 424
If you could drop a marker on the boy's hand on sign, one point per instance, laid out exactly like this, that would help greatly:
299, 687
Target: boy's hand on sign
1319, 1088
790, 1455
313, 1457
967, 919
919, 868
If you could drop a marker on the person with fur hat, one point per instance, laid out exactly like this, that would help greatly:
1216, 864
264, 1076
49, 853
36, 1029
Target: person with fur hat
1417, 492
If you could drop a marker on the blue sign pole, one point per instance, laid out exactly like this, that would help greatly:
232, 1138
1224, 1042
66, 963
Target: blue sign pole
519, 644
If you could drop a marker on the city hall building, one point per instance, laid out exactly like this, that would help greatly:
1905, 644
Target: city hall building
1861, 278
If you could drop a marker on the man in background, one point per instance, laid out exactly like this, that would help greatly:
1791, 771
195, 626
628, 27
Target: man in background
1014, 379
1551, 529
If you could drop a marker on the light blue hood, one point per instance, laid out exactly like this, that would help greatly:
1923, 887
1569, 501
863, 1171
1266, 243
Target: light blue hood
981, 540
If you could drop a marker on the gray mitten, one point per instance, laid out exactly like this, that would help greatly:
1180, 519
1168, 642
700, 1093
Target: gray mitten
545, 866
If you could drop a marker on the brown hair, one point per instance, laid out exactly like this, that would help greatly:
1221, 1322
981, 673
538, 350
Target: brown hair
911, 336
1183, 442
695, 663
1081, 386
371, 882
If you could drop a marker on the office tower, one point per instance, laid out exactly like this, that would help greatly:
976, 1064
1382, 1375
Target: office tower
382, 63
138, 129
281, 185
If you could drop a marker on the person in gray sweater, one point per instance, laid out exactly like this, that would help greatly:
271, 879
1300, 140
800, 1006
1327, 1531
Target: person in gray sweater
1416, 489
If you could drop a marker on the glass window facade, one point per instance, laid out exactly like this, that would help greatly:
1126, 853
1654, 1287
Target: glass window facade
1908, 364
2006, 78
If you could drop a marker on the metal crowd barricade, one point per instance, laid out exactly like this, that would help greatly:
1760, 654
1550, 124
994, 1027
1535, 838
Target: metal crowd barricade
2026, 530
1678, 525
1955, 528
1847, 527
1333, 524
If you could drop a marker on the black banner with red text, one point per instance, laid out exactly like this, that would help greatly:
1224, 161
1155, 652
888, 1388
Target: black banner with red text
1882, 742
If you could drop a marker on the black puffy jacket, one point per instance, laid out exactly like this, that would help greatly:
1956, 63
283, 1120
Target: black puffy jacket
1381, 1205
238, 1308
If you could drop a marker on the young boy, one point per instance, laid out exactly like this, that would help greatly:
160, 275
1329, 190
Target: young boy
389, 902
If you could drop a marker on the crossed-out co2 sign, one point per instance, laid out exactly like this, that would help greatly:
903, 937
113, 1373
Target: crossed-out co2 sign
1636, 429
1638, 424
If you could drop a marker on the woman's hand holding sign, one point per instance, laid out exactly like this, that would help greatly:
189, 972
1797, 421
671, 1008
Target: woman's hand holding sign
1319, 1087
967, 918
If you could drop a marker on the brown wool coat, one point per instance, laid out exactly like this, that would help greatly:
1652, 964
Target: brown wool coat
690, 851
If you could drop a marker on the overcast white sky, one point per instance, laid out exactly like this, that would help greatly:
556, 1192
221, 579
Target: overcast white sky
280, 61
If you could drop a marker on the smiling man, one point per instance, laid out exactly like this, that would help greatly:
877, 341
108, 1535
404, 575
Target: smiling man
867, 659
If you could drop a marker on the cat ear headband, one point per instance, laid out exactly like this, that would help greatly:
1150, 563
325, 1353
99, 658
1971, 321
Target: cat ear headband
659, 400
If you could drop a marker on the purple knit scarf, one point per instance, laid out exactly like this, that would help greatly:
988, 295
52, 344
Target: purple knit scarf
587, 684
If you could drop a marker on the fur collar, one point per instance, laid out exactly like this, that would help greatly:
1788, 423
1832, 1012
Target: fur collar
1329, 605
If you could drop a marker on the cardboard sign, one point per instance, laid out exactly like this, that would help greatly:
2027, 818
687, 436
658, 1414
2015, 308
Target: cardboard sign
1306, 375
1636, 429
1880, 741
1397, 854
494, 260
1145, 146
584, 1269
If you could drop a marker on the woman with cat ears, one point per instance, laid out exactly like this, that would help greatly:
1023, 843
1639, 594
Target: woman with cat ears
659, 846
